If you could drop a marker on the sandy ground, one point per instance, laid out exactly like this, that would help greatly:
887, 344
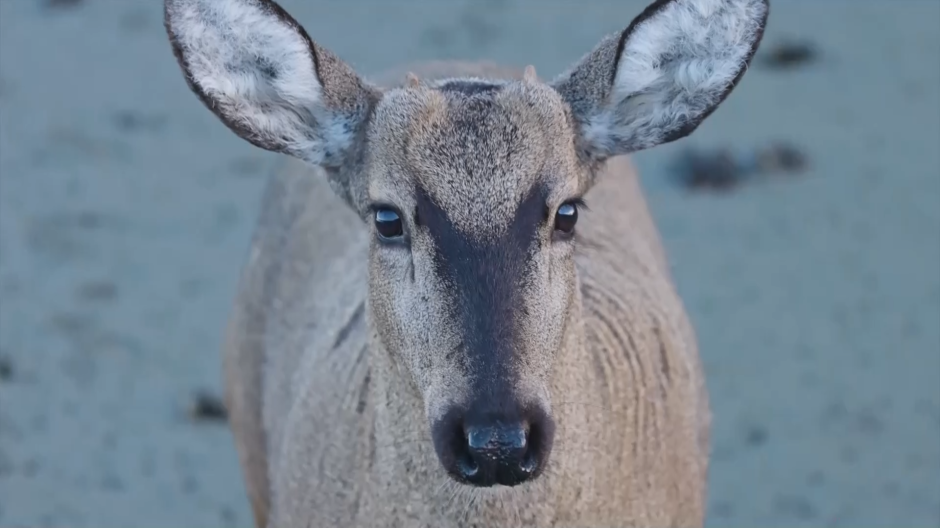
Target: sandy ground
126, 210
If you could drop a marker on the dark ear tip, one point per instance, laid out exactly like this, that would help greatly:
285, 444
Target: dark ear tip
170, 8
167, 8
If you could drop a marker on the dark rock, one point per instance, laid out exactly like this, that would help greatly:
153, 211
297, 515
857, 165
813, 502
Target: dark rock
717, 170
781, 157
207, 407
724, 169
6, 369
756, 436
789, 54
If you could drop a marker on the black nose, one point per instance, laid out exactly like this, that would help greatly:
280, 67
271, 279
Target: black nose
498, 454
494, 450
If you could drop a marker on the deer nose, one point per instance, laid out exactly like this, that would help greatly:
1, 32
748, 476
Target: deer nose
485, 448
497, 454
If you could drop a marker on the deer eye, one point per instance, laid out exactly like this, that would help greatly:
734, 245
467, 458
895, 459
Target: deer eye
388, 223
566, 217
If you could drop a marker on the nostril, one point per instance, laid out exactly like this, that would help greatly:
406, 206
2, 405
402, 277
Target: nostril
468, 467
529, 464
485, 450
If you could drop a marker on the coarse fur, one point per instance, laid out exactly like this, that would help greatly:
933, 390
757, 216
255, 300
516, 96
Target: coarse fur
350, 358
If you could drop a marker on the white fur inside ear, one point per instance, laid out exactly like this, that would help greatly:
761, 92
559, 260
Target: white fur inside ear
257, 68
675, 67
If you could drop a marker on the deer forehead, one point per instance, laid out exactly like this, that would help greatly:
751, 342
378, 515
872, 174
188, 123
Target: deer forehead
477, 148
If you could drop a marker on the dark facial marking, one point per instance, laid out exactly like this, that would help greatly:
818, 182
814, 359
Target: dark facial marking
484, 280
469, 88
351, 324
364, 393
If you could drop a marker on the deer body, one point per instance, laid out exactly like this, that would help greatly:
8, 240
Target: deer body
363, 365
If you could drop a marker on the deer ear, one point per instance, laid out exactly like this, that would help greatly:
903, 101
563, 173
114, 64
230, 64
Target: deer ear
260, 73
656, 81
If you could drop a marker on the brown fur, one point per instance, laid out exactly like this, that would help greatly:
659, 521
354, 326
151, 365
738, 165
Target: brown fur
342, 349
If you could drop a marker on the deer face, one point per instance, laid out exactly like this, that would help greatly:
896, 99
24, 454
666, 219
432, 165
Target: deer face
471, 190
474, 196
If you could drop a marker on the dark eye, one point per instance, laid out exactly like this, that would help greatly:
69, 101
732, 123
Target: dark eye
566, 218
388, 223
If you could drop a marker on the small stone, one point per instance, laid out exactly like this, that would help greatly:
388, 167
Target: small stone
717, 170
207, 407
756, 436
6, 369
789, 54
782, 157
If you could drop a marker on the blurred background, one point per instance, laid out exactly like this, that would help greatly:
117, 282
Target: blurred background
803, 230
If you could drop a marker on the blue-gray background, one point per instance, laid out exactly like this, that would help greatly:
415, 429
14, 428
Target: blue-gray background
126, 210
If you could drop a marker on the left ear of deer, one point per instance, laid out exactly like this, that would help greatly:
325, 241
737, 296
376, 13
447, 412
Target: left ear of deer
259, 72
663, 75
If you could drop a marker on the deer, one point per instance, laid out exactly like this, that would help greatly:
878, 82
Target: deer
456, 309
